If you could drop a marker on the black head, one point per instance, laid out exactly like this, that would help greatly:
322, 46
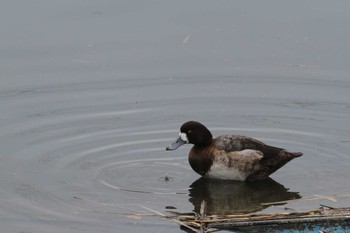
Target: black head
192, 132
196, 133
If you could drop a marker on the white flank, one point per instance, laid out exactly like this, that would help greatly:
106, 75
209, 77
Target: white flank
220, 171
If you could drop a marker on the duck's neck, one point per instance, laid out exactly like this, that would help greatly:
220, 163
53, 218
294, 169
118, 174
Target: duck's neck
201, 158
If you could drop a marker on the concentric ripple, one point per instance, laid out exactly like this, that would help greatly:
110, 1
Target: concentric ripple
91, 151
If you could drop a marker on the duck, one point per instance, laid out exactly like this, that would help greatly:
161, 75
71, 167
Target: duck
230, 157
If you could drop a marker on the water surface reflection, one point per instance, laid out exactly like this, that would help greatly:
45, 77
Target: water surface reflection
234, 197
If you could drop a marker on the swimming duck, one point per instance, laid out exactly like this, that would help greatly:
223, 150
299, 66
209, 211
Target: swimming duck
230, 157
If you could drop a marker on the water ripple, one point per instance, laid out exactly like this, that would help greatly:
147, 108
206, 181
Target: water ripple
86, 157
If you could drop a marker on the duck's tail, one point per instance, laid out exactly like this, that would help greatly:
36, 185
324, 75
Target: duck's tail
272, 164
292, 154
281, 160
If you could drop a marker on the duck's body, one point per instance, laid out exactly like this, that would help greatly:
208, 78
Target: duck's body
230, 157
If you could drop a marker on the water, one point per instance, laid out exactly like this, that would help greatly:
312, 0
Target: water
92, 92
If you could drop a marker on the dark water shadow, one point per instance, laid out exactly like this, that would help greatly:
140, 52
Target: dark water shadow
233, 197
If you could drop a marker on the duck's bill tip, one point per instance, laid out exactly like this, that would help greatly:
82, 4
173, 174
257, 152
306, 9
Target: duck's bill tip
169, 148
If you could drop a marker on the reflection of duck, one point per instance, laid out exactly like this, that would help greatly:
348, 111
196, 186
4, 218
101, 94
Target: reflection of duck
230, 157
232, 197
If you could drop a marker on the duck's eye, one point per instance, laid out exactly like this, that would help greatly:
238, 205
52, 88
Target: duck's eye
189, 131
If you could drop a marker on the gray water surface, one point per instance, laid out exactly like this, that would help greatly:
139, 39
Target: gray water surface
93, 91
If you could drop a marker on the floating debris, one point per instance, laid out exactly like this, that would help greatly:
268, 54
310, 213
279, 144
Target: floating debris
201, 222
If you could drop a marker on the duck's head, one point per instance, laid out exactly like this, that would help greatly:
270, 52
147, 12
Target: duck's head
192, 132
